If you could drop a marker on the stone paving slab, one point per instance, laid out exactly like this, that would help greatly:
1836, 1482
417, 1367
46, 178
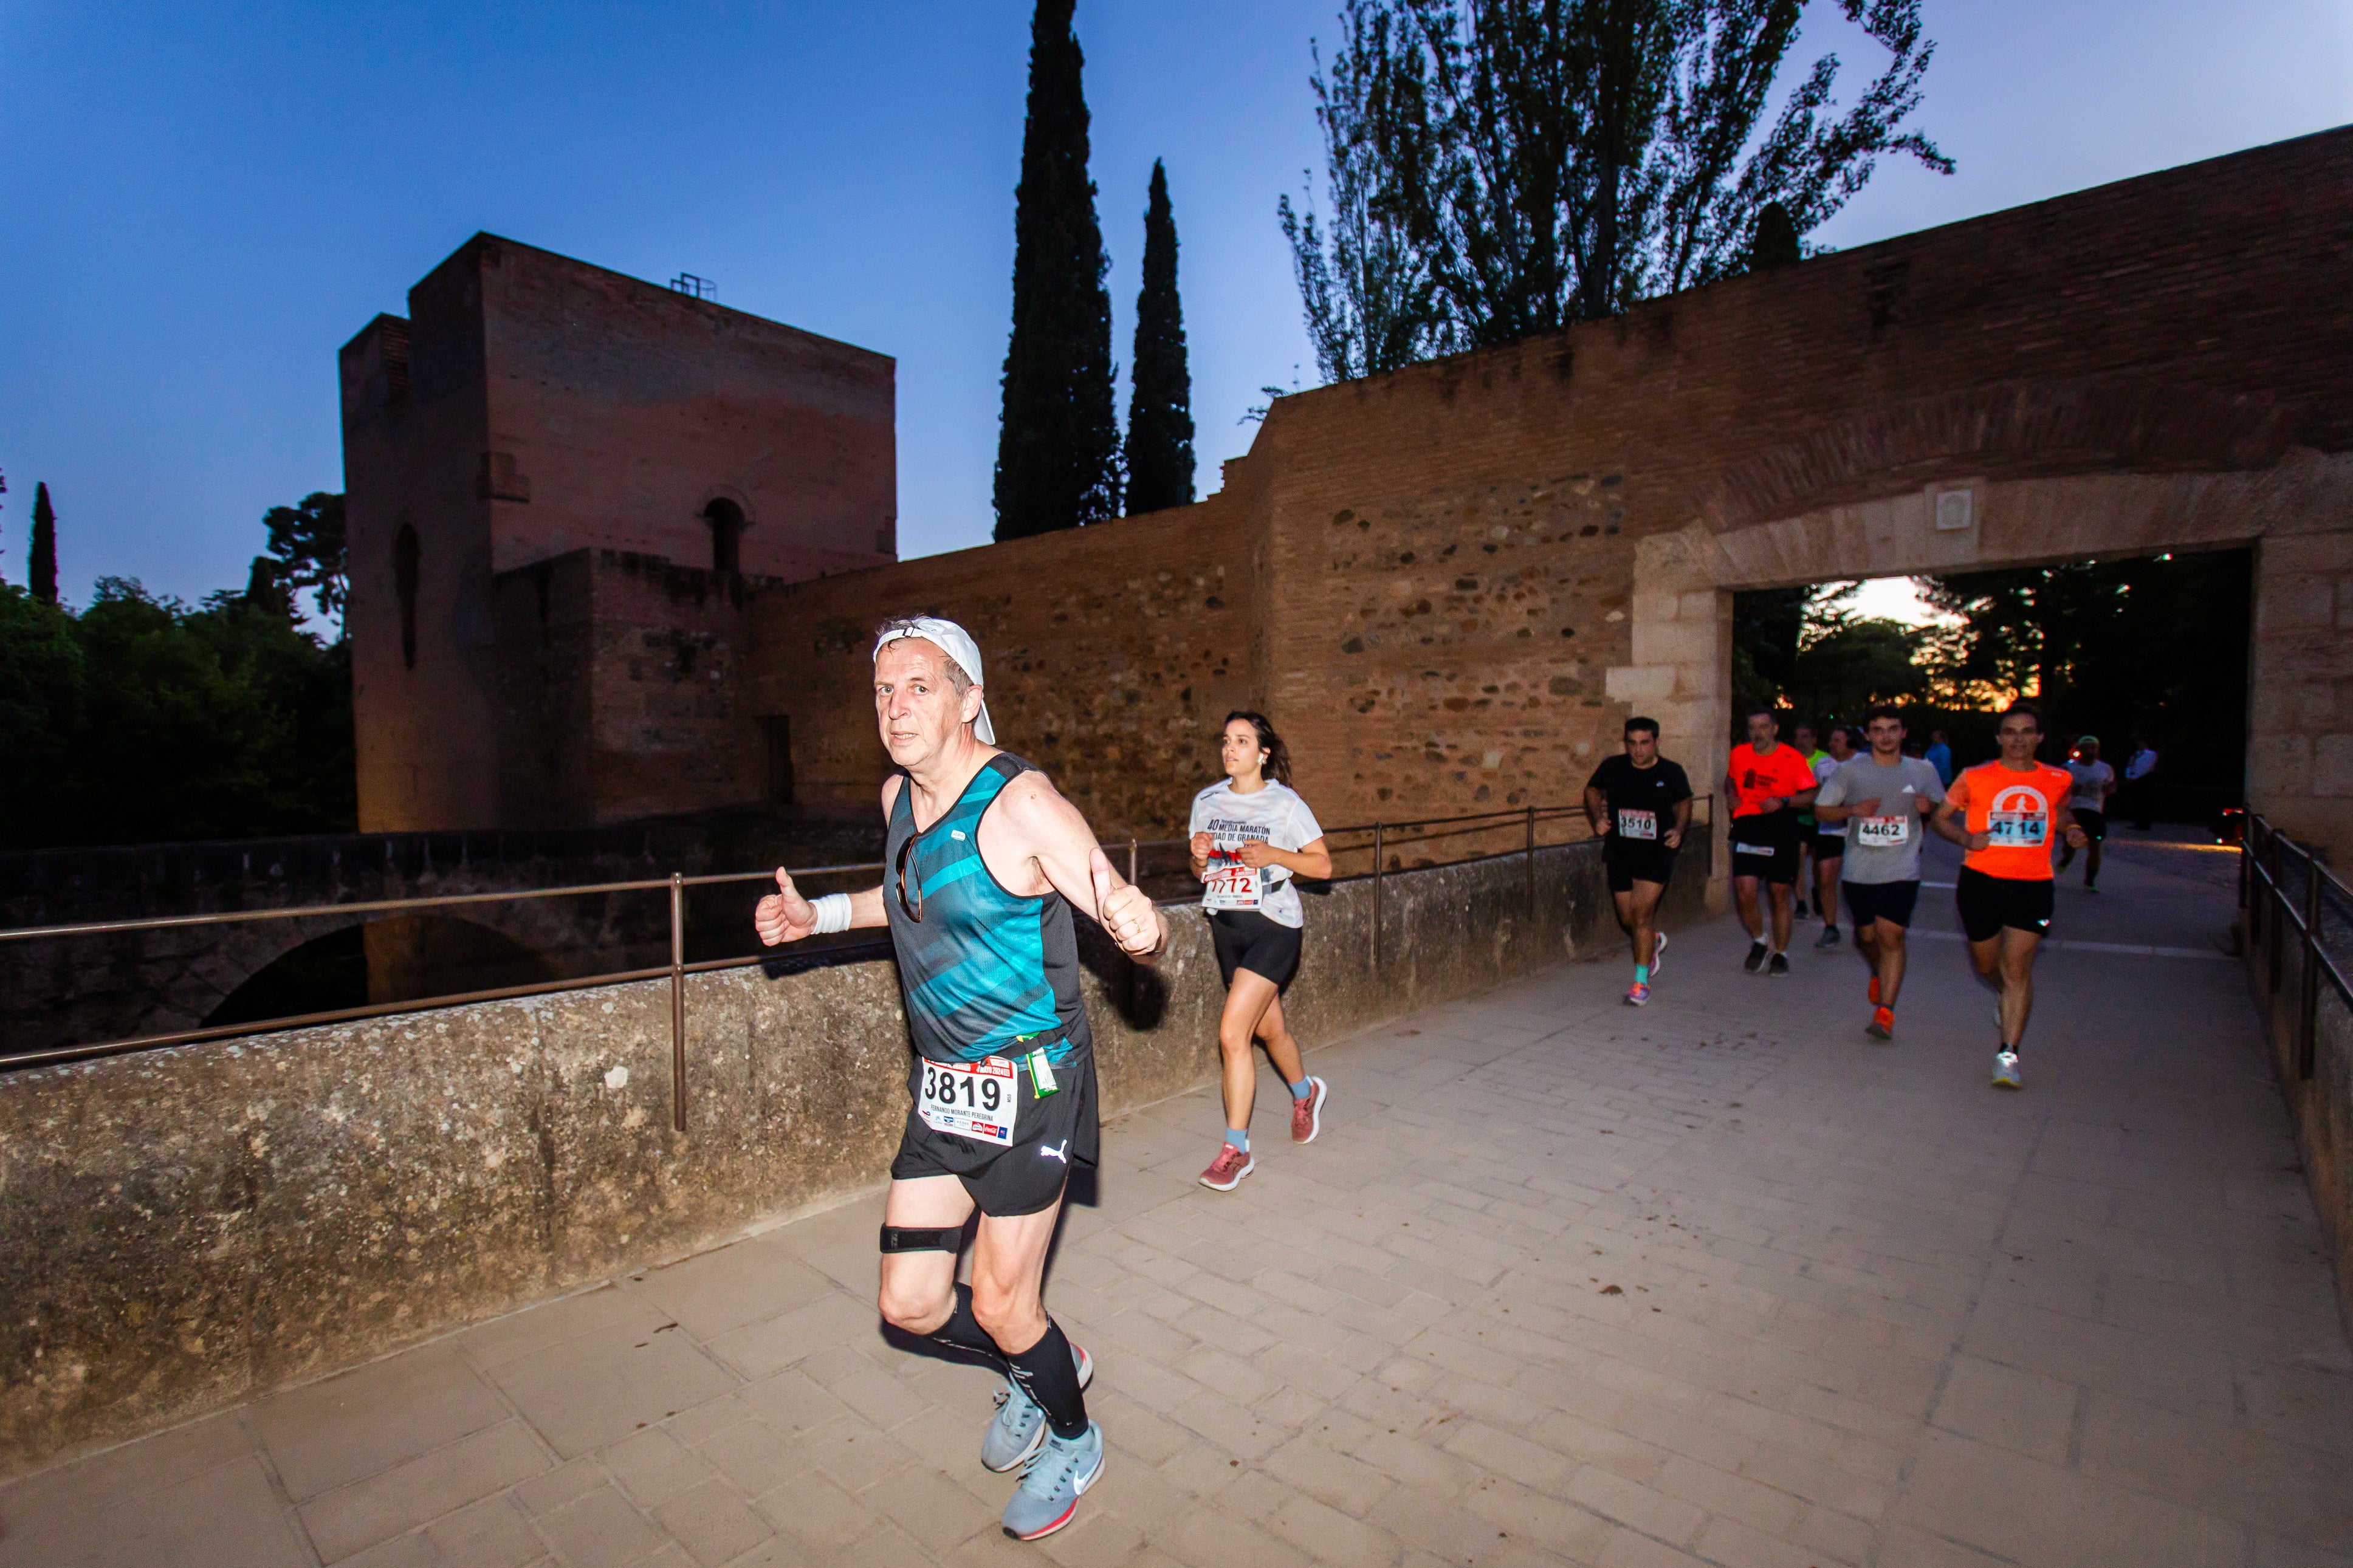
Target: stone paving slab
1717, 1281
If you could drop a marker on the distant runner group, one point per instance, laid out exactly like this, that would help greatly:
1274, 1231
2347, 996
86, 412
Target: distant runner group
986, 862
1863, 817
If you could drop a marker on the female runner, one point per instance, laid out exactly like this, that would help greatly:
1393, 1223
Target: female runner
1251, 835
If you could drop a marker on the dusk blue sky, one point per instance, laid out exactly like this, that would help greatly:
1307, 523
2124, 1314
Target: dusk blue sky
198, 204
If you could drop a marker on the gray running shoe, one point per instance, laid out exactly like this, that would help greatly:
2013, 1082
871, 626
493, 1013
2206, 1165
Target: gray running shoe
1020, 1429
1658, 953
1829, 939
1048, 1493
2005, 1069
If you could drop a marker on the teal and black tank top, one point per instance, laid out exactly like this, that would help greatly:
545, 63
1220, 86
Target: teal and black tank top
984, 972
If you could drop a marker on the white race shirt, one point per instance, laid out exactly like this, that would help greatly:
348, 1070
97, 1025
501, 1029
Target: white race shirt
1274, 815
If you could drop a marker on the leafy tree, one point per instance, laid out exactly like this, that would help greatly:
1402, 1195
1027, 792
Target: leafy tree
306, 539
44, 573
1057, 450
1853, 661
1370, 298
1160, 408
1548, 161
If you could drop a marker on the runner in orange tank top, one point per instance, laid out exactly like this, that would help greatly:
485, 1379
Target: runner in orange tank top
2008, 815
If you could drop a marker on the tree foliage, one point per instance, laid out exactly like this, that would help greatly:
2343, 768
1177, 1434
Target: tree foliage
306, 540
1057, 452
1160, 406
1500, 168
43, 566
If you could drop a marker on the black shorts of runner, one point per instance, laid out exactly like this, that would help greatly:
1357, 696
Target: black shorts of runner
1025, 1176
1889, 901
1245, 939
1990, 903
1765, 845
1633, 860
2094, 824
1829, 845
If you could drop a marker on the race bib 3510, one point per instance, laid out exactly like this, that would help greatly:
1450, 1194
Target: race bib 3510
1637, 823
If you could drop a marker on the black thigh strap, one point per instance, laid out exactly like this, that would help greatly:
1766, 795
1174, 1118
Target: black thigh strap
904, 1238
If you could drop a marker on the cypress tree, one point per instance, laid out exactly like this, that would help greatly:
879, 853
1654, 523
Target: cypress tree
1776, 244
45, 547
1058, 450
1160, 408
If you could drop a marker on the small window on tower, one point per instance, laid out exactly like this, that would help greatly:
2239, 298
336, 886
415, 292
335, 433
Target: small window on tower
726, 519
405, 552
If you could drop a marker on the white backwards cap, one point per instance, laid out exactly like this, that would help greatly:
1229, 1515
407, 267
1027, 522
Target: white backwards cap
957, 644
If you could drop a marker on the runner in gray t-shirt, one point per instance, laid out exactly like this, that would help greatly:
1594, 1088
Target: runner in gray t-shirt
1883, 797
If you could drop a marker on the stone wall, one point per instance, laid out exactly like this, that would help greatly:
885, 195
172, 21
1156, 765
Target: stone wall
187, 1228
1113, 654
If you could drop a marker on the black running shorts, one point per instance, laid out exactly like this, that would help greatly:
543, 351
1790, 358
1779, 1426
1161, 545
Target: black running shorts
1632, 860
1764, 844
1988, 904
1829, 845
2094, 824
1889, 901
1246, 938
1050, 1136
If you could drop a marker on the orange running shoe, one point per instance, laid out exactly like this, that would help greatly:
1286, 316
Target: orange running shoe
1883, 1023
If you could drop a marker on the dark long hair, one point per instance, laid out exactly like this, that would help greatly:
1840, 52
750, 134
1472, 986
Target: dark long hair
1278, 755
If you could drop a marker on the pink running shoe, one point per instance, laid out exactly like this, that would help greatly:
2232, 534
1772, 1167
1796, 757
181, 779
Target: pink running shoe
1226, 1171
1638, 995
1307, 1115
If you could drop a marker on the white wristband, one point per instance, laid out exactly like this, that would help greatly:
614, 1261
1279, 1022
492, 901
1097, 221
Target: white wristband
832, 913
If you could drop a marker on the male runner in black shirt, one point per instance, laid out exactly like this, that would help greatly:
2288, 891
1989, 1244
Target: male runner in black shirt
1639, 805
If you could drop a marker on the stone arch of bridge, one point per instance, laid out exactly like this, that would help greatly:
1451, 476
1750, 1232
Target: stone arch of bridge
2020, 476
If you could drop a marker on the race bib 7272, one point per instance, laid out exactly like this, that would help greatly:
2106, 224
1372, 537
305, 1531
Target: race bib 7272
1230, 885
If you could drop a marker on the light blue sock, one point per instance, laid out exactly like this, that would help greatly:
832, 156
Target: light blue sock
1238, 1137
1641, 975
1302, 1089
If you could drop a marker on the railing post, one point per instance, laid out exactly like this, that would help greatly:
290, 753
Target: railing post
2309, 1008
676, 1002
1532, 866
2278, 913
1380, 867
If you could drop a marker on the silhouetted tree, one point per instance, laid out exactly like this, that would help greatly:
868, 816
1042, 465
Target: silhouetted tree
44, 573
1160, 407
1776, 243
1548, 161
1058, 448
306, 539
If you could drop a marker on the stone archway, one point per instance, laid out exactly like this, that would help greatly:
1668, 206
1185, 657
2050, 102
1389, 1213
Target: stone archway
2016, 477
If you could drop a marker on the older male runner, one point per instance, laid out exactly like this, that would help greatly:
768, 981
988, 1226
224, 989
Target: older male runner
985, 863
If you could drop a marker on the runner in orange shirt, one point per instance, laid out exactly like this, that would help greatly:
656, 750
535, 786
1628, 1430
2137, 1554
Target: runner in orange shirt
1768, 780
2007, 814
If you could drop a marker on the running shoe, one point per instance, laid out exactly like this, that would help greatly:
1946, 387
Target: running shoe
1226, 1171
1638, 995
1883, 1023
1020, 1429
1779, 967
2005, 1069
1874, 990
1828, 940
1657, 951
1800, 911
1048, 1493
1755, 959
1307, 1115
2091, 887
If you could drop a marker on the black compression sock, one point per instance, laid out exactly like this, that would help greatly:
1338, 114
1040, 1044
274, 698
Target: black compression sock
962, 1333
1048, 1375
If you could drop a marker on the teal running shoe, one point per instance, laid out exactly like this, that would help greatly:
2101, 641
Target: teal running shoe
1048, 1496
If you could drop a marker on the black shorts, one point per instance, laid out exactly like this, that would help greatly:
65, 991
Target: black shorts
1889, 901
1245, 939
1050, 1136
1990, 903
1829, 845
1766, 844
2094, 824
1633, 860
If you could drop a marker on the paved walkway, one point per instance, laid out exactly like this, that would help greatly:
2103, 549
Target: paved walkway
1720, 1281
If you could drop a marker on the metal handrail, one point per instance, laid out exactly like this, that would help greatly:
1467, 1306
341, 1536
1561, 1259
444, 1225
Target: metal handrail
1383, 833
2267, 903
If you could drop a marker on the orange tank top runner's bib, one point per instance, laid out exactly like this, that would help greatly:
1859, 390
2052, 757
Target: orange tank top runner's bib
2016, 810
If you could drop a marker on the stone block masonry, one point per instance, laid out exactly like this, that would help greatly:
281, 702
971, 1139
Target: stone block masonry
185, 1228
